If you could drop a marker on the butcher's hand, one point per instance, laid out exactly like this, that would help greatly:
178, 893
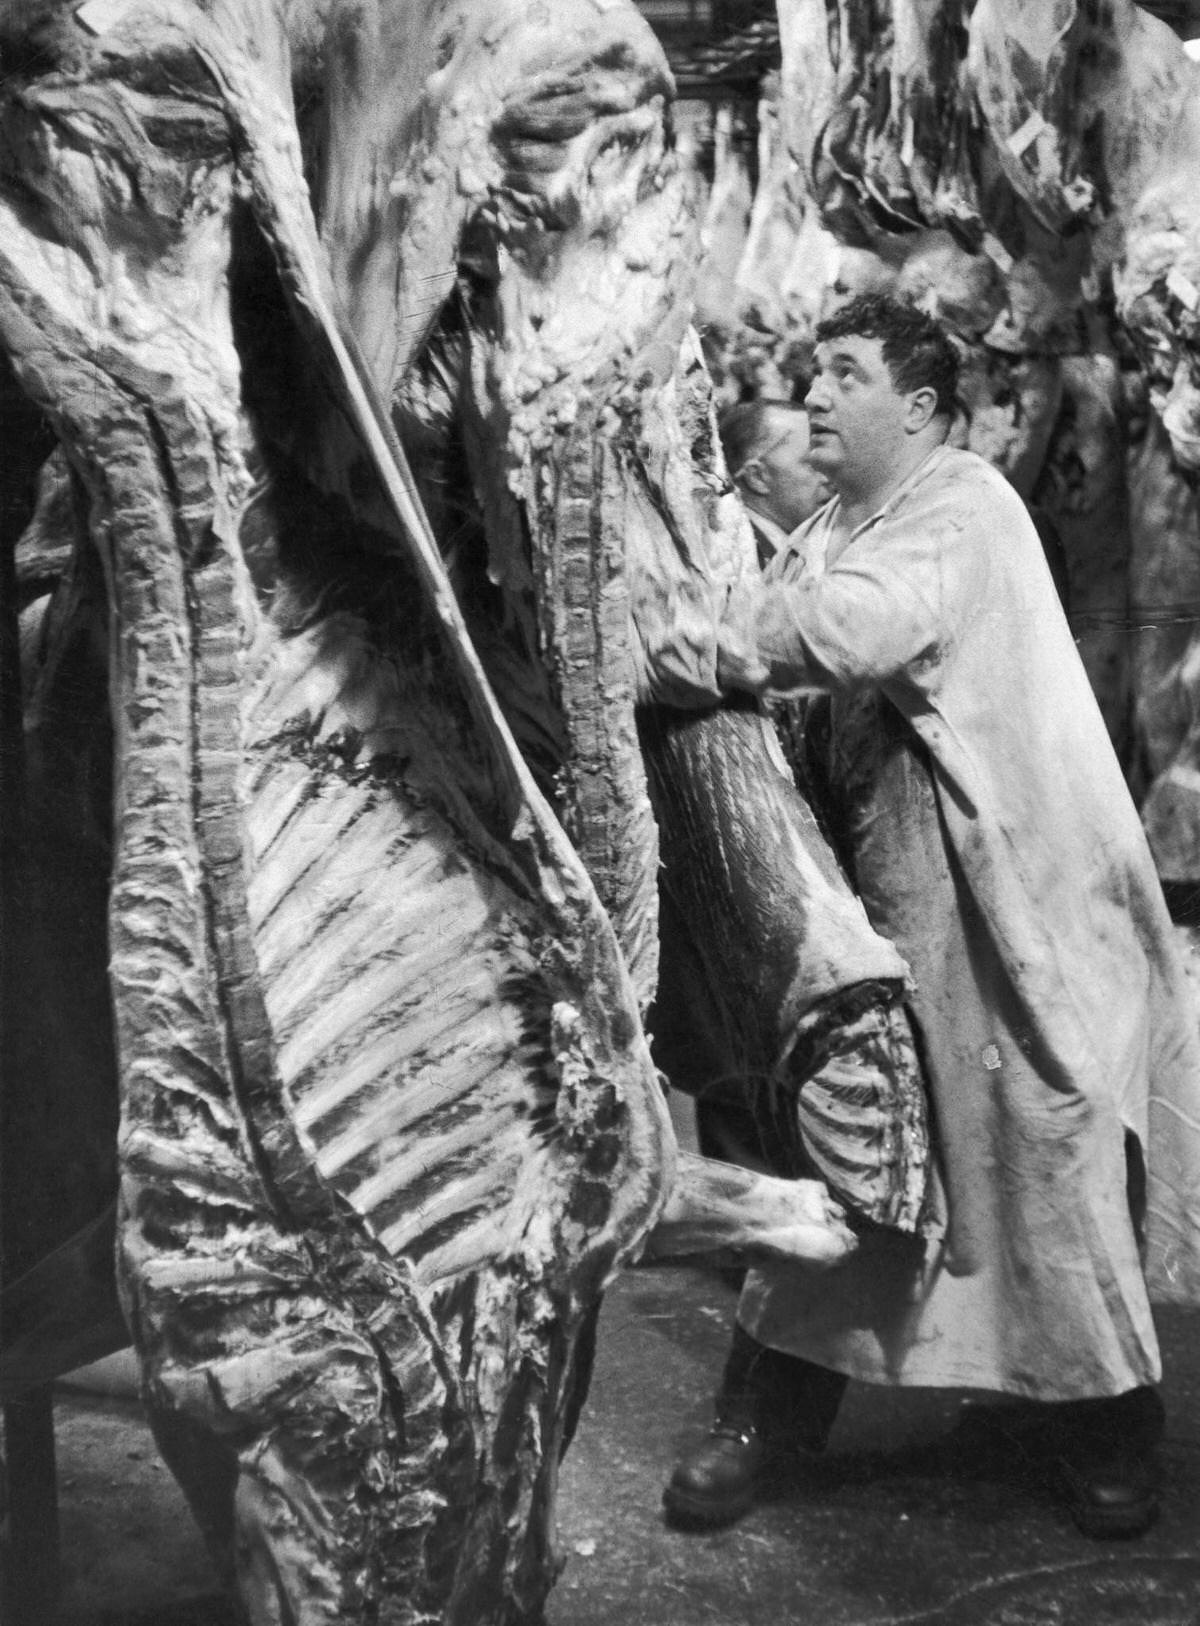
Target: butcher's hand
697, 642
676, 629
739, 665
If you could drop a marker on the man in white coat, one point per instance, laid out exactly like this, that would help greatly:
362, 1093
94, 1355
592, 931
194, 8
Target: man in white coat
993, 840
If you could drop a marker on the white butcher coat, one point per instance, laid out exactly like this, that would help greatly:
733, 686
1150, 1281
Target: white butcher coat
995, 843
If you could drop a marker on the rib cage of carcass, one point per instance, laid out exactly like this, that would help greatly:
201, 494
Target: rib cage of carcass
389, 1122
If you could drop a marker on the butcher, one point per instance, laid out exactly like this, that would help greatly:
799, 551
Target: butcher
993, 841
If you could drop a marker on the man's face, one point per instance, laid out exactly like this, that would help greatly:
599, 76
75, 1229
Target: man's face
784, 485
856, 415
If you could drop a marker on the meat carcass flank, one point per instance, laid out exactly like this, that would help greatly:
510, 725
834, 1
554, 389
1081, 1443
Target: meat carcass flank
389, 1119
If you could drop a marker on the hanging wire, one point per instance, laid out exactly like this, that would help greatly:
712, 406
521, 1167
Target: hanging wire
1139, 618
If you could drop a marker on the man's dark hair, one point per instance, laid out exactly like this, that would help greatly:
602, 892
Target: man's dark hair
918, 354
744, 432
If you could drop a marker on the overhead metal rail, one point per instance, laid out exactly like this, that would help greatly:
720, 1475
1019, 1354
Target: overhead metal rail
710, 56
736, 63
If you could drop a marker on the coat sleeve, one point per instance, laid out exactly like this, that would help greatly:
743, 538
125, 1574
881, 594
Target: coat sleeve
892, 606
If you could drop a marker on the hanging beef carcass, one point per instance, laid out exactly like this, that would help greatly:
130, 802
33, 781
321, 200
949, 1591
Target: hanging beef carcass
1158, 289
389, 1122
1094, 122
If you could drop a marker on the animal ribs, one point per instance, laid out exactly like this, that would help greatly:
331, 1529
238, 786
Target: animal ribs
389, 1119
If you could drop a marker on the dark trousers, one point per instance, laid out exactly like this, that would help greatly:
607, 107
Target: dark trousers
785, 1398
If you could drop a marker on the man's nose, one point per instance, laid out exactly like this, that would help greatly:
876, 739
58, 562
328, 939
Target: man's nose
818, 395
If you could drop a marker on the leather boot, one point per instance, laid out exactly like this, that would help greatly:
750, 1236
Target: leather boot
717, 1483
1107, 1462
769, 1405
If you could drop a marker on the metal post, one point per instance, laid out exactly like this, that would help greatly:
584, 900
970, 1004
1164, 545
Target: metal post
29, 1575
31, 1568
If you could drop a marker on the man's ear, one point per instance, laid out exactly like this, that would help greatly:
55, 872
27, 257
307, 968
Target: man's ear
753, 477
921, 410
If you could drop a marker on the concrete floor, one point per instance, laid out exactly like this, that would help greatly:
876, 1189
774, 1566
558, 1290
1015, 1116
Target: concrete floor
894, 1526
